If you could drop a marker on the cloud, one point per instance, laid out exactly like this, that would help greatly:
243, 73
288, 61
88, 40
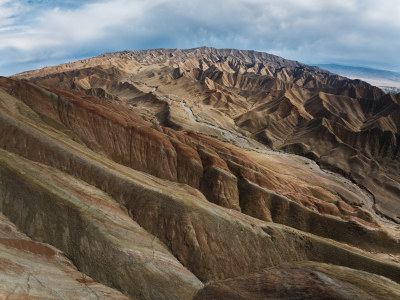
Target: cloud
9, 10
361, 32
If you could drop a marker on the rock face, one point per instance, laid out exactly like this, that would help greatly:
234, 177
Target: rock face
144, 168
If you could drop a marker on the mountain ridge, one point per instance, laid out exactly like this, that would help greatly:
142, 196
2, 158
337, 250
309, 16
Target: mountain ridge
388, 81
235, 92
249, 56
215, 164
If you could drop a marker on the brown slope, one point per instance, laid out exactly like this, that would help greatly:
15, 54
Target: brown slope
342, 136
92, 229
219, 172
303, 281
211, 241
33, 270
346, 126
92, 103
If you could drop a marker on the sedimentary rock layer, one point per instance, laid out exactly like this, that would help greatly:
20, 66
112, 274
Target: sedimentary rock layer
146, 169
303, 281
33, 270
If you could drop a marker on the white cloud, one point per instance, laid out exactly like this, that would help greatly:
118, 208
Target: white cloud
9, 11
352, 31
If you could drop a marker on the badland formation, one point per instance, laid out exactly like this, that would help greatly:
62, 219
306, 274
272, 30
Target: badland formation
197, 174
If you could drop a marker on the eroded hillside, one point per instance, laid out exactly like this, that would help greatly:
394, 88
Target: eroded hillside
154, 172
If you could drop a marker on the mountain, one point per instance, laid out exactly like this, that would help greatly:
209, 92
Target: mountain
199, 174
386, 80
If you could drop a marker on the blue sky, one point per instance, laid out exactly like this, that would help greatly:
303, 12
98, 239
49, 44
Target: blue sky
34, 34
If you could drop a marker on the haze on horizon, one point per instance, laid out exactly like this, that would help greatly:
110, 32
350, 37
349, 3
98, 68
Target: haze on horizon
35, 34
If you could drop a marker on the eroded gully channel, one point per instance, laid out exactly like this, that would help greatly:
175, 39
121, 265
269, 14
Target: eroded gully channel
247, 143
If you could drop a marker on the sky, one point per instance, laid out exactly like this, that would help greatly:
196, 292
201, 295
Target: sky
34, 34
